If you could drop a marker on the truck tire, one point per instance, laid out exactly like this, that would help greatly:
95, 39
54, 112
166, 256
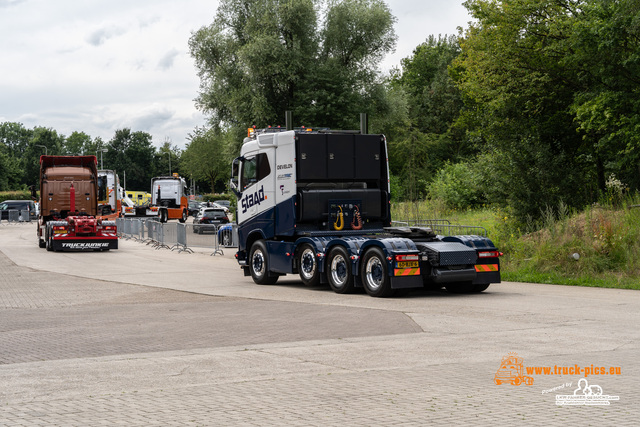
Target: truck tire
339, 271
374, 273
308, 265
48, 243
184, 216
259, 264
480, 288
42, 243
162, 215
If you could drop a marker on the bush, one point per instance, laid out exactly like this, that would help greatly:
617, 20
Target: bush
458, 186
15, 195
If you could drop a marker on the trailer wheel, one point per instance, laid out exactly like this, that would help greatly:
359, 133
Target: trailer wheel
374, 274
308, 265
259, 264
184, 216
339, 274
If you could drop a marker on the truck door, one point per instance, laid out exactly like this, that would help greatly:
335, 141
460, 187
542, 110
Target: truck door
256, 193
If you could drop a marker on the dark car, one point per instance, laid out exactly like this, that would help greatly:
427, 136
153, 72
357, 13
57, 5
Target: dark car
18, 210
223, 203
194, 207
208, 218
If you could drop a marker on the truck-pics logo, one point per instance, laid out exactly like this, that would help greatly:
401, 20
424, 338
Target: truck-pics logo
511, 371
252, 199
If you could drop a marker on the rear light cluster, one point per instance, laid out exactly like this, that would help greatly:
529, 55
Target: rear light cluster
489, 254
411, 257
59, 229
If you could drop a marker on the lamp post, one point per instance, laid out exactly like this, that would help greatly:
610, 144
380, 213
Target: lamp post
103, 150
46, 151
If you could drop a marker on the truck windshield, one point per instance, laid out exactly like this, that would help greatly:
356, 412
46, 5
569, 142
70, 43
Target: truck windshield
102, 187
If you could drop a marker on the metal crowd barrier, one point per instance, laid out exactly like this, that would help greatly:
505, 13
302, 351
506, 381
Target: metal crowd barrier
178, 236
15, 215
444, 227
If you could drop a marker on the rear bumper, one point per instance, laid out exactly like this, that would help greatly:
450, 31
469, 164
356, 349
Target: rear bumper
84, 243
439, 275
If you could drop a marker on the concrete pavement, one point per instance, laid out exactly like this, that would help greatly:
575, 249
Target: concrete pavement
145, 337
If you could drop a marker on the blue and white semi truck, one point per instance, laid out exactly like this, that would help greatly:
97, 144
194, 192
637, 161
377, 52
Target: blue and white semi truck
317, 204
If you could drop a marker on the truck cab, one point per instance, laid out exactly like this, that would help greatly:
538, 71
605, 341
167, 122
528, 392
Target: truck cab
169, 196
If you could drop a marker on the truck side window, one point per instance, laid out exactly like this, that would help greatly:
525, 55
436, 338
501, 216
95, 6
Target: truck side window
254, 169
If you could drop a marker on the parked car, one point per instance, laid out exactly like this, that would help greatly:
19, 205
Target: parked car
194, 207
21, 206
225, 235
208, 217
225, 203
211, 205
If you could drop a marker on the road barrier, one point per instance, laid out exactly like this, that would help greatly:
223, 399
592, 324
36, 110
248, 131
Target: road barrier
177, 236
15, 215
443, 227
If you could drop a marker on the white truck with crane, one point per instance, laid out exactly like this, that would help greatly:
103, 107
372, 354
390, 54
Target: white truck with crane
317, 203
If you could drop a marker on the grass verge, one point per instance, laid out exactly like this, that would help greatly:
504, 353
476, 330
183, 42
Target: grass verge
598, 247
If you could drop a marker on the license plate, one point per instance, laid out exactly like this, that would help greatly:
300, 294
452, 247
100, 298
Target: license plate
407, 264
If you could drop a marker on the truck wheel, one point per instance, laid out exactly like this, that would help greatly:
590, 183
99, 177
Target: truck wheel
184, 217
480, 288
339, 274
48, 244
162, 216
42, 243
259, 264
308, 265
374, 274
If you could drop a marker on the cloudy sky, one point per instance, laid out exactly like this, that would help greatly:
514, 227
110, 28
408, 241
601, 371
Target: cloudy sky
100, 65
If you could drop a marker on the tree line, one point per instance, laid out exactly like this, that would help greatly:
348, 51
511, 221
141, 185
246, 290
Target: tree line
127, 152
534, 105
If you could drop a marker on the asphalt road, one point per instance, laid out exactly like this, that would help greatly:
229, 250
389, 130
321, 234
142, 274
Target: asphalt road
140, 336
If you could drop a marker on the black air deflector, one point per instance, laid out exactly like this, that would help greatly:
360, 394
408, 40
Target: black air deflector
340, 157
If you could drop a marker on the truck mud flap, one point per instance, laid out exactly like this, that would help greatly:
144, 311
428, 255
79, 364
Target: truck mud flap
84, 244
439, 275
406, 282
487, 278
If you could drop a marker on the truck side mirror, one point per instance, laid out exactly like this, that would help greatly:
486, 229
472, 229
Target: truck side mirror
233, 183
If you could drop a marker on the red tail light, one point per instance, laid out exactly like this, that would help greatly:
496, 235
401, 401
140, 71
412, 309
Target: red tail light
411, 257
489, 254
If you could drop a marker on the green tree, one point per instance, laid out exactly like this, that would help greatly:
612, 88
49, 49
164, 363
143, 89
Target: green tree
428, 137
167, 159
42, 141
207, 157
78, 143
551, 88
131, 153
261, 58
14, 139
